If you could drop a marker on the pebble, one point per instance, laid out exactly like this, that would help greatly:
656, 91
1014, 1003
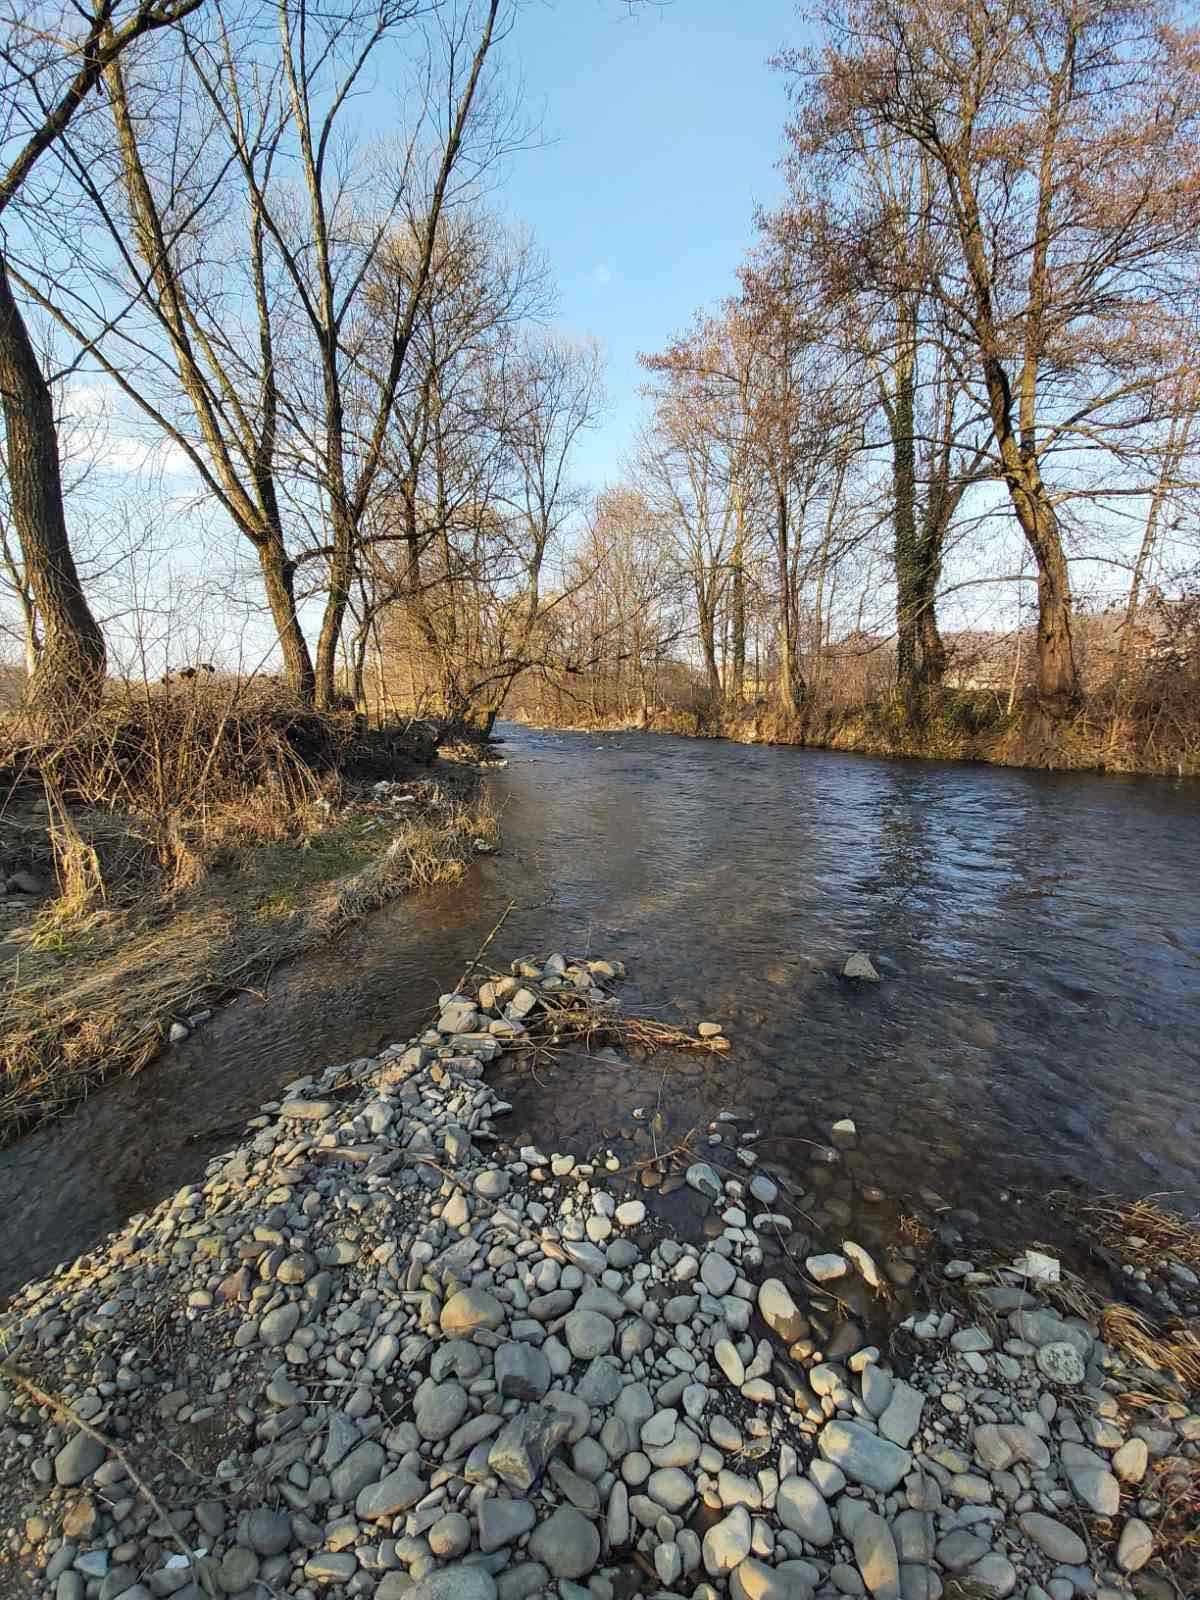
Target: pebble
589, 1334
482, 1387
875, 1553
801, 1507
469, 1310
730, 1362
727, 1543
78, 1459
1053, 1538
566, 1543
780, 1312
1135, 1546
864, 1456
1131, 1460
826, 1268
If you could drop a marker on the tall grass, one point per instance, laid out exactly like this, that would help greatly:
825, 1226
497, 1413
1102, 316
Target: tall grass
200, 834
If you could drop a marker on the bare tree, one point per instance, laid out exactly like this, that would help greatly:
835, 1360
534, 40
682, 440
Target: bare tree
1062, 136
247, 227
49, 68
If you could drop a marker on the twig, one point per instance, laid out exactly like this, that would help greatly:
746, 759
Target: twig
478, 956
58, 1405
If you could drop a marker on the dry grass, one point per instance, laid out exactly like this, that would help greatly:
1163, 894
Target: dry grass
1177, 1527
1071, 1296
1142, 1232
94, 989
569, 1020
1151, 725
1174, 1348
199, 834
911, 1230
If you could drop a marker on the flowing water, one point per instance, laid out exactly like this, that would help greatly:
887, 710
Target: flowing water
1038, 937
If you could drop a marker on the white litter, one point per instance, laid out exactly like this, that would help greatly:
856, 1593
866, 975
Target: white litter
1040, 1268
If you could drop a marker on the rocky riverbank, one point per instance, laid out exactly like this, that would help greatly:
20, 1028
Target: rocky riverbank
376, 1352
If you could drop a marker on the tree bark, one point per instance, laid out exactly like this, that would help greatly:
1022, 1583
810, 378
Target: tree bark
906, 557
789, 689
1057, 677
706, 623
1177, 442
737, 684
68, 677
279, 581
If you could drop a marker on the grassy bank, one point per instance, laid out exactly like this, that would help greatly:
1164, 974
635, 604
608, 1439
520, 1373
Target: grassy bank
1104, 735
162, 897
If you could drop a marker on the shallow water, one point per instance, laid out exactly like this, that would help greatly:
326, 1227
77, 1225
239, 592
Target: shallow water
1038, 1023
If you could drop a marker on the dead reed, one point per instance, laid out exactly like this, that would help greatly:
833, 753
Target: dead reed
1141, 1232
103, 974
569, 1021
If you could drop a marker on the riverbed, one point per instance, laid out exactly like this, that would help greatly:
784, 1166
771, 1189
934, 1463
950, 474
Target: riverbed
1037, 1024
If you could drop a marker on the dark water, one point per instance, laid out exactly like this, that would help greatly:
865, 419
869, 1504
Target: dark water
1038, 936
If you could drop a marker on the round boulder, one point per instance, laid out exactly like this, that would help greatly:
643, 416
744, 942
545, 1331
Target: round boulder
567, 1543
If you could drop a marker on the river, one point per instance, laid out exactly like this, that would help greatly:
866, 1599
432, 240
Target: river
1037, 1024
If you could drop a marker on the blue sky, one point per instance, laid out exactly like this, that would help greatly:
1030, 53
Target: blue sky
664, 126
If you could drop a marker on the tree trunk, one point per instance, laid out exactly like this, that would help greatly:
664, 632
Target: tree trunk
68, 676
906, 555
278, 574
1058, 676
1177, 442
737, 683
708, 645
789, 699
341, 576
933, 649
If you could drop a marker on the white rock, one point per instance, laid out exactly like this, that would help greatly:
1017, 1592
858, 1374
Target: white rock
727, 1542
1039, 1267
859, 966
730, 1362
1135, 1547
826, 1268
862, 1260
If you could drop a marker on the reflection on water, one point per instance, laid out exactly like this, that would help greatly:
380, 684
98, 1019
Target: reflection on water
1038, 935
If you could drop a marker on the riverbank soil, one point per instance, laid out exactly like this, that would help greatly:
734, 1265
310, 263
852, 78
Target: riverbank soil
380, 1351
115, 946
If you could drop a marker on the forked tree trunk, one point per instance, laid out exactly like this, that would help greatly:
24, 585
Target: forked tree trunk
279, 575
1057, 674
68, 675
